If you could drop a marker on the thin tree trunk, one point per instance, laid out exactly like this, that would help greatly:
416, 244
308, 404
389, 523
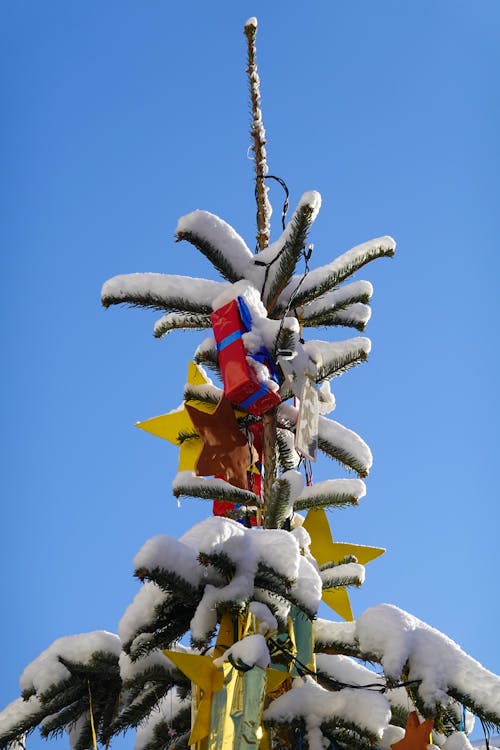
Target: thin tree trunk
264, 211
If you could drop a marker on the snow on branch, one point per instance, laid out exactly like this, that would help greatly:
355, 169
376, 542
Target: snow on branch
281, 501
329, 493
187, 484
143, 611
335, 637
345, 574
171, 711
338, 299
47, 670
218, 241
332, 358
364, 714
344, 445
172, 565
162, 292
354, 316
407, 647
176, 321
206, 354
18, 718
335, 440
55, 686
323, 279
401, 642
274, 266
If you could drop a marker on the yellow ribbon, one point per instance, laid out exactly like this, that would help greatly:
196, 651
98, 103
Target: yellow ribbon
202, 671
92, 725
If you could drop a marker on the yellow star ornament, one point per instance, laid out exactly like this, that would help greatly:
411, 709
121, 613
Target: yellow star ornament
202, 671
324, 550
177, 423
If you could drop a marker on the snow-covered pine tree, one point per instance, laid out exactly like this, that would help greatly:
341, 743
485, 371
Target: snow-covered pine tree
243, 587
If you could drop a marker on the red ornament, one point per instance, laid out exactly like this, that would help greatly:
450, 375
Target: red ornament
240, 382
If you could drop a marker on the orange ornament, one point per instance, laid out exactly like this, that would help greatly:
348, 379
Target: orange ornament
226, 451
417, 735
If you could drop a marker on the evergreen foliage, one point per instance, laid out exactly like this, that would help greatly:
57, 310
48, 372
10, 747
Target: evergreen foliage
265, 581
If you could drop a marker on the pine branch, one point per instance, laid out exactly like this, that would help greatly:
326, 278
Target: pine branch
171, 734
269, 441
322, 280
334, 358
339, 576
18, 718
353, 735
220, 561
269, 581
336, 301
266, 573
356, 316
202, 394
55, 725
176, 321
166, 623
288, 457
101, 664
138, 709
335, 563
343, 445
335, 440
332, 492
339, 638
287, 337
159, 291
186, 484
279, 504
171, 582
282, 256
217, 241
84, 738
165, 632
156, 672
206, 355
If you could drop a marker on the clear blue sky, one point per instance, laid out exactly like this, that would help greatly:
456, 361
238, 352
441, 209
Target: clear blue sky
117, 118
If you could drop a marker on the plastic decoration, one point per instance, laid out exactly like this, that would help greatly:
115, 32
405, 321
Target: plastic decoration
236, 711
324, 550
177, 424
417, 735
204, 674
306, 430
226, 451
241, 386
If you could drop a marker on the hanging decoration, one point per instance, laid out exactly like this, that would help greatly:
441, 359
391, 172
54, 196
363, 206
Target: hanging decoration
226, 451
417, 735
241, 385
306, 429
177, 427
207, 680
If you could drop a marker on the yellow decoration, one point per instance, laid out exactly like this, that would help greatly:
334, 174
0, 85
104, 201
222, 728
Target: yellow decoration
205, 675
236, 713
324, 549
177, 422
275, 679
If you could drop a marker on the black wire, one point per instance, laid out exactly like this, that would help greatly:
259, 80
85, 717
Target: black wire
486, 733
307, 257
303, 669
283, 184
